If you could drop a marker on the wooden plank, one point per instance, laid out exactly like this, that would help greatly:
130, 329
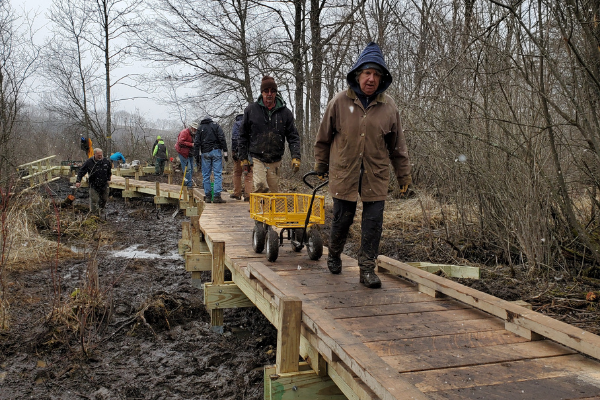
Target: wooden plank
506, 372
359, 299
475, 356
454, 271
395, 308
414, 319
419, 330
570, 336
426, 344
185, 243
567, 387
224, 295
288, 335
198, 262
299, 385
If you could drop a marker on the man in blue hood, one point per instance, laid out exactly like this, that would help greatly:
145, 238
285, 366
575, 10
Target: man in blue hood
359, 136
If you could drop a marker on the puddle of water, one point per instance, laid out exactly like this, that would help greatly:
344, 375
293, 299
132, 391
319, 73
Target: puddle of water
133, 252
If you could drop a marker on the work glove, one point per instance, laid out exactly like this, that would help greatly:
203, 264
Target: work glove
245, 166
226, 156
322, 171
295, 165
403, 186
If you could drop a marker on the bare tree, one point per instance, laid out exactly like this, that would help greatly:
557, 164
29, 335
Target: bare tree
86, 37
18, 58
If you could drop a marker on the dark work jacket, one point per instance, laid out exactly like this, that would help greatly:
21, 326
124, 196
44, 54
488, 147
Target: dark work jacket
99, 172
209, 137
235, 136
265, 132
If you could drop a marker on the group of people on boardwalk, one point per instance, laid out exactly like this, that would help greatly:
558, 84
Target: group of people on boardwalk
360, 135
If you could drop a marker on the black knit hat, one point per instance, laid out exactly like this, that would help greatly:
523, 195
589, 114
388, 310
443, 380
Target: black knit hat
267, 83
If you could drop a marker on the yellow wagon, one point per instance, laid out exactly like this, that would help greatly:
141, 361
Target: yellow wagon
296, 214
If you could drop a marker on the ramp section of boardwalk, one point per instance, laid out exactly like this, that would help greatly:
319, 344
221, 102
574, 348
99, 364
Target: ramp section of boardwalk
420, 336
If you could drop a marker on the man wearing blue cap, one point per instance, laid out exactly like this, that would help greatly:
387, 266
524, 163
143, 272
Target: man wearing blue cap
359, 136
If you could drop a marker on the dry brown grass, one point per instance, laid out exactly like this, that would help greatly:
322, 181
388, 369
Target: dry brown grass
27, 247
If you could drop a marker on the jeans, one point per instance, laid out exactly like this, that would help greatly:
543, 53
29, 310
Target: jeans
187, 162
212, 162
371, 230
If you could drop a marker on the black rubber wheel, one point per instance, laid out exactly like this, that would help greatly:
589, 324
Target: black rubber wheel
272, 245
314, 244
296, 237
258, 237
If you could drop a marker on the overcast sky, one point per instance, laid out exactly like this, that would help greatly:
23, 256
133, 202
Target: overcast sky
148, 107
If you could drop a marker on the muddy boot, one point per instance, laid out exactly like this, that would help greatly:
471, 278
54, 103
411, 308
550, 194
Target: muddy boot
207, 199
369, 279
218, 199
334, 263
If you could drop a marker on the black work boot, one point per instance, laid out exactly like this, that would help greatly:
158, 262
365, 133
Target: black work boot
334, 263
369, 279
218, 199
207, 199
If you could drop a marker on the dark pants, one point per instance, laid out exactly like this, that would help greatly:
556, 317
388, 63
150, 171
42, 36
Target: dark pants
159, 166
98, 198
371, 229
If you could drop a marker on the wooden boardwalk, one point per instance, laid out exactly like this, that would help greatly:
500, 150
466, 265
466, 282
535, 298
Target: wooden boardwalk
419, 336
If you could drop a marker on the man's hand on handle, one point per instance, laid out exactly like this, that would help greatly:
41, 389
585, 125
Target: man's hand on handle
322, 171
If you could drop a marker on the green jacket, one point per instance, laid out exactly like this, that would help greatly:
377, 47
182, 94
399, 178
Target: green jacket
160, 150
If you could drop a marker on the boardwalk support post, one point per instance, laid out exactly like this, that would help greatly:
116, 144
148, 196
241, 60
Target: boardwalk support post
199, 258
218, 277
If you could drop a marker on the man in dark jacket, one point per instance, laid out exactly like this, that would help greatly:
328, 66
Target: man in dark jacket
238, 171
359, 136
99, 173
266, 126
161, 154
210, 146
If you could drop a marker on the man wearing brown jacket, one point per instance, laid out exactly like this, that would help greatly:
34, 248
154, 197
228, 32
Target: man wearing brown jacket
359, 136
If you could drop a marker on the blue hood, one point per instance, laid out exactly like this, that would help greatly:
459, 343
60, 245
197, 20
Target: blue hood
371, 54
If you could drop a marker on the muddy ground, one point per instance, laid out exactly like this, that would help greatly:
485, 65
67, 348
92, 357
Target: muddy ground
155, 342
146, 332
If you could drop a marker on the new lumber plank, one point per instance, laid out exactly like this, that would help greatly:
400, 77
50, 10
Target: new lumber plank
419, 330
475, 356
576, 338
427, 344
506, 372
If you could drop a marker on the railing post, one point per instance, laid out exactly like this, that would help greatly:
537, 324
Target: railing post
288, 334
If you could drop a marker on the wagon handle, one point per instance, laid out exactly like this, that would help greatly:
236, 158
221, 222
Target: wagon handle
311, 173
312, 199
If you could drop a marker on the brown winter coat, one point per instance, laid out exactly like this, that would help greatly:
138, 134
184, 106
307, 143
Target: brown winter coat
350, 136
